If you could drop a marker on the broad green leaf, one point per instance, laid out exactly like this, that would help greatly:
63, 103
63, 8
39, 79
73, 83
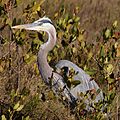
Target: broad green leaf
106, 60
116, 44
70, 79
27, 118
3, 117
60, 35
81, 37
49, 58
20, 108
108, 33
29, 58
74, 50
75, 82
115, 24
56, 14
37, 41
90, 72
68, 27
82, 44
16, 105
70, 21
109, 68
110, 80
77, 19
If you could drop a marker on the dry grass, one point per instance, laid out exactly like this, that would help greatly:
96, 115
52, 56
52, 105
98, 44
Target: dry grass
94, 16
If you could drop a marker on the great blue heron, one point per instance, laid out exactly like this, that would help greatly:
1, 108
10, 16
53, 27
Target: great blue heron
53, 78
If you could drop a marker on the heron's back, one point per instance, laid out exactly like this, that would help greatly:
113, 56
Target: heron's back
86, 83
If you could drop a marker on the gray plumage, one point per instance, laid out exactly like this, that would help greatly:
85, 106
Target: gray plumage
53, 78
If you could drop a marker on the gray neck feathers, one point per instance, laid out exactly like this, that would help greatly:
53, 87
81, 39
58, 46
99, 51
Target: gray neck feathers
44, 68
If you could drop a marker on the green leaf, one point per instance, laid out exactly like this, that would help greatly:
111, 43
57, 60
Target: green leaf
29, 58
36, 68
110, 80
102, 51
81, 37
90, 72
108, 33
98, 91
93, 96
3, 117
49, 58
27, 118
112, 96
77, 19
81, 94
82, 44
9, 21
70, 21
16, 106
74, 50
75, 82
109, 68
115, 24
20, 108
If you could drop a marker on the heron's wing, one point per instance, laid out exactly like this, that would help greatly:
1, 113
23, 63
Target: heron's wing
79, 73
85, 82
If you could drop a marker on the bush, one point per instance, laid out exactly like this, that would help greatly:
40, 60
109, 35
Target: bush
23, 95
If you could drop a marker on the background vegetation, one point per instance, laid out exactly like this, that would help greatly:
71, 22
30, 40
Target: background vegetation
88, 34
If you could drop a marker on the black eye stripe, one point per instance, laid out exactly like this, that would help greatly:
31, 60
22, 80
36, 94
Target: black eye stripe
44, 21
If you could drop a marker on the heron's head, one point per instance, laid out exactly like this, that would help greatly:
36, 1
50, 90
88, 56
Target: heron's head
43, 24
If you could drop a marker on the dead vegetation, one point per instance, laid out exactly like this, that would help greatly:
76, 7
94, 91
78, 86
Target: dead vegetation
20, 81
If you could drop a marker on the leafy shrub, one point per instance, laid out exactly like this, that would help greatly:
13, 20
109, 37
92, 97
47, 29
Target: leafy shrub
18, 67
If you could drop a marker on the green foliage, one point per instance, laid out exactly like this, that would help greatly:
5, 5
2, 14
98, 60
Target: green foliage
100, 60
14, 110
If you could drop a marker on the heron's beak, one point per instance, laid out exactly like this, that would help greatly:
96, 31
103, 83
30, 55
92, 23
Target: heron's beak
32, 26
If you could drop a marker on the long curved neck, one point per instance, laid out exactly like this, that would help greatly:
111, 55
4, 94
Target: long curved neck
44, 68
